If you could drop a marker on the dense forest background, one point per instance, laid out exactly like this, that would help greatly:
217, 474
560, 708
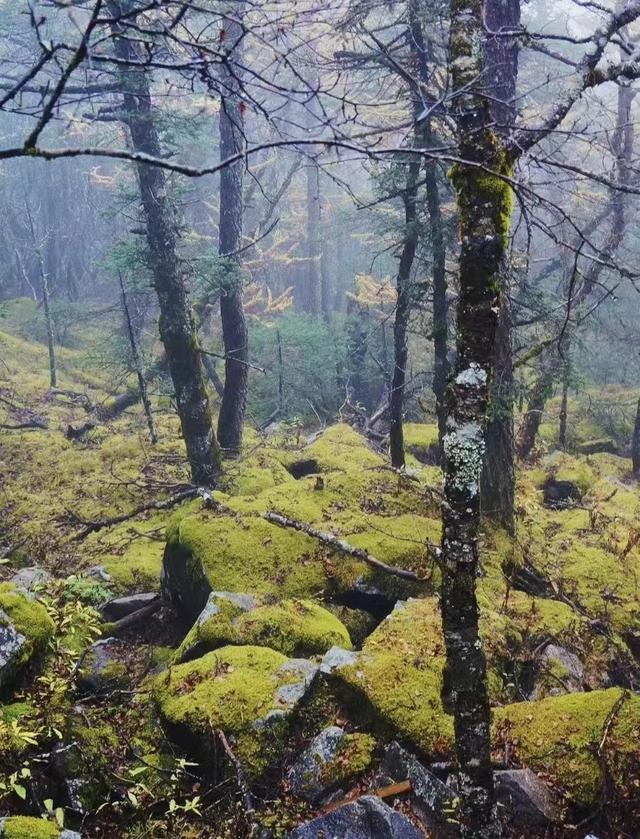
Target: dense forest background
319, 417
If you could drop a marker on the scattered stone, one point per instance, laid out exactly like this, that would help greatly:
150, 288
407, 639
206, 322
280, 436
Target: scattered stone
121, 607
561, 493
561, 671
304, 671
331, 758
29, 578
12, 649
100, 670
337, 657
525, 799
366, 818
432, 799
98, 572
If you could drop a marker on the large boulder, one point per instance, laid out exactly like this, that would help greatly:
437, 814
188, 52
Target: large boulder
251, 693
366, 818
25, 629
524, 799
298, 628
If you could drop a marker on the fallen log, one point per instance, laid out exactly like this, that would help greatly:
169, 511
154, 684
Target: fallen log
340, 545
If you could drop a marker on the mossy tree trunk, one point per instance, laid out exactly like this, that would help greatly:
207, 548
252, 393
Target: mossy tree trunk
484, 201
234, 325
498, 482
538, 397
177, 327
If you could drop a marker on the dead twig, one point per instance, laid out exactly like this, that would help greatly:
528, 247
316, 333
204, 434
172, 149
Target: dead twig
340, 545
243, 786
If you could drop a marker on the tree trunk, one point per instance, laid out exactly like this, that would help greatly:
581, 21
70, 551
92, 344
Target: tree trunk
484, 204
137, 364
46, 303
403, 309
498, 482
177, 328
635, 443
313, 294
540, 394
234, 324
564, 404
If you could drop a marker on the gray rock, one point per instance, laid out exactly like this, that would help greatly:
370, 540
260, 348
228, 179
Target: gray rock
524, 799
337, 657
305, 776
70, 834
121, 607
100, 670
568, 670
432, 799
28, 578
12, 648
99, 573
366, 818
292, 694
245, 602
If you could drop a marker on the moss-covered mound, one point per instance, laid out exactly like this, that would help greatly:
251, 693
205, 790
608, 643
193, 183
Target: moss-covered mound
29, 618
248, 692
581, 741
25, 827
362, 502
293, 627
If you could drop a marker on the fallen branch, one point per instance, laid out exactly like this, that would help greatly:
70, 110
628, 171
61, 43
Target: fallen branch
32, 425
340, 545
135, 617
391, 791
100, 524
243, 786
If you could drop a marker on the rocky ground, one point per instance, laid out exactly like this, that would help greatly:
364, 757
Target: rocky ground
198, 669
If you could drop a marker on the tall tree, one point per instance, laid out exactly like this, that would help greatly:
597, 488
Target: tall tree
497, 485
234, 325
177, 327
484, 202
46, 301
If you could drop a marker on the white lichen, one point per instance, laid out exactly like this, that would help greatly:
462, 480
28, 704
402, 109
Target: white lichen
472, 376
464, 452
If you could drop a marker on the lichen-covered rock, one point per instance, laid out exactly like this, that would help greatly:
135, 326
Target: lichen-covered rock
30, 578
25, 629
332, 758
101, 669
431, 799
248, 692
524, 799
559, 671
366, 818
293, 627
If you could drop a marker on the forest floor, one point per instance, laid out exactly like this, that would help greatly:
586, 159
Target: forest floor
219, 667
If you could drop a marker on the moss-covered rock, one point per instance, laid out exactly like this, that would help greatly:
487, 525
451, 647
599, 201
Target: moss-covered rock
575, 739
293, 627
25, 630
248, 692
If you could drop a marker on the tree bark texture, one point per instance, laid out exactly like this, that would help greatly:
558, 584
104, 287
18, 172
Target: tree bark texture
234, 325
177, 327
484, 201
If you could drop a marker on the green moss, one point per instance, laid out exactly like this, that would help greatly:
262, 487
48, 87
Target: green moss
30, 618
234, 689
339, 448
295, 627
25, 827
353, 757
560, 736
399, 675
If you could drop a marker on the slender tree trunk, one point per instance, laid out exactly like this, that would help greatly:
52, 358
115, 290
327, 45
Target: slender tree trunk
177, 327
564, 403
46, 303
538, 397
635, 443
484, 204
313, 293
137, 364
234, 324
498, 482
